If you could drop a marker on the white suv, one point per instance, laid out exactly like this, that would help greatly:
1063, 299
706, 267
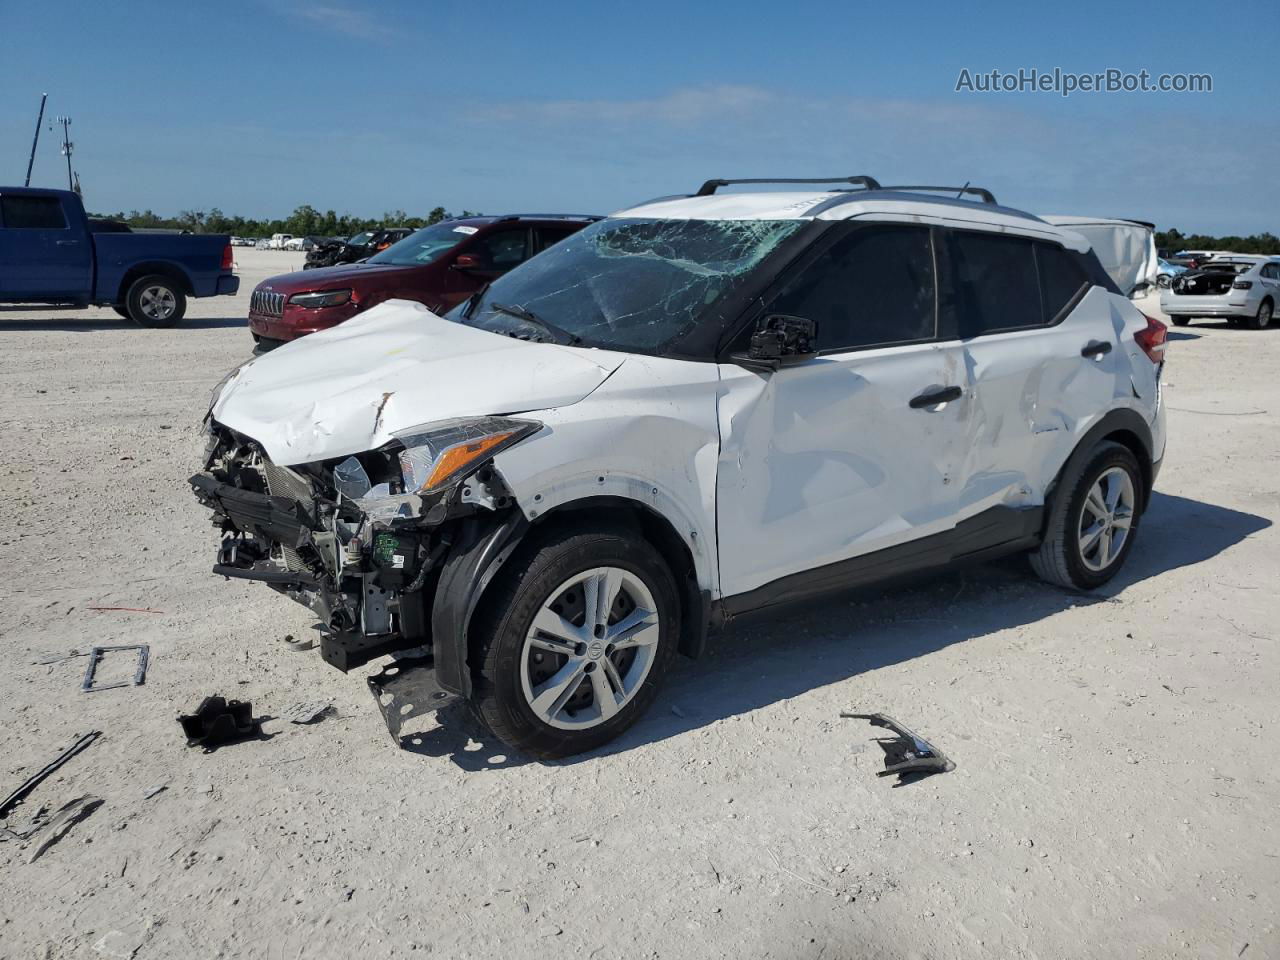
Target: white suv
697, 408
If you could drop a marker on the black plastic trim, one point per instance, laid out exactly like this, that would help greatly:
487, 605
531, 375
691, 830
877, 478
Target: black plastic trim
991, 533
709, 187
481, 547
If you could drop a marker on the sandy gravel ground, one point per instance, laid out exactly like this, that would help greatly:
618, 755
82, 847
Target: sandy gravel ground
1114, 796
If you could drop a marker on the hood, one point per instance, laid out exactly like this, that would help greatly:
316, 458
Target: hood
395, 366
326, 278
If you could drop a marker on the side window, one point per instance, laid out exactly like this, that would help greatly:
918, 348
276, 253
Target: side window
996, 283
548, 236
503, 249
873, 287
32, 213
1271, 271
1061, 278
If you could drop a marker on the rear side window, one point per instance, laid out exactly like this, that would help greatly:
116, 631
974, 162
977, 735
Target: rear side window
32, 213
503, 249
871, 288
996, 283
1061, 279
548, 236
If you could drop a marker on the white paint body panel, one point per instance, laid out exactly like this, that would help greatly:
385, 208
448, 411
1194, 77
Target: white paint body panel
826, 460
395, 366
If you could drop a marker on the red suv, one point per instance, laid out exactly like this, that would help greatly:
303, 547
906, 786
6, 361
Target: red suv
439, 266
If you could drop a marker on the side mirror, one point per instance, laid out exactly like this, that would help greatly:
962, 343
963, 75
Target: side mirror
779, 341
466, 261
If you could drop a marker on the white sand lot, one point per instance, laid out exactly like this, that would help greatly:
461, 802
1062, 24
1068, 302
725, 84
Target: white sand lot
1115, 790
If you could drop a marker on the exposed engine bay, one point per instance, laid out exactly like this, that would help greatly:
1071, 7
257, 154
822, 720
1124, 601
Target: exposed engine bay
361, 541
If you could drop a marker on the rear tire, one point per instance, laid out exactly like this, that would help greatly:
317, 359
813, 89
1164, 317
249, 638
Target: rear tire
1093, 521
1180, 321
541, 690
1262, 319
155, 301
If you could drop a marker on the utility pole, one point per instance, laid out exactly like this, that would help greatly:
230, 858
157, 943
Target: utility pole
36, 138
66, 149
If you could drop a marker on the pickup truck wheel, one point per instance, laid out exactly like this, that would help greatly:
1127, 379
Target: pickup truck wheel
155, 301
1093, 520
574, 640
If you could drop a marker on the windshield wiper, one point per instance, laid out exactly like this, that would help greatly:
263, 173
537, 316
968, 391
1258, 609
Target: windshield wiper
473, 300
520, 313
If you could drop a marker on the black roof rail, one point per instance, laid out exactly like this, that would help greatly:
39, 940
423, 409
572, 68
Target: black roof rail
590, 217
986, 195
710, 187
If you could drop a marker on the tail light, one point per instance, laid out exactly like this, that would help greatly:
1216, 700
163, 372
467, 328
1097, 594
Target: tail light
1152, 339
1242, 285
228, 259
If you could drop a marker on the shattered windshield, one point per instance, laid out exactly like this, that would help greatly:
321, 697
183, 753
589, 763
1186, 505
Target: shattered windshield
625, 284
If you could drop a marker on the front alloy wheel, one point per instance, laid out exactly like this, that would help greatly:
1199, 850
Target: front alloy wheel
589, 648
572, 640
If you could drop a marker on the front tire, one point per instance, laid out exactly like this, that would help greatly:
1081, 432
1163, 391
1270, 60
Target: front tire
1093, 520
1262, 319
574, 641
155, 301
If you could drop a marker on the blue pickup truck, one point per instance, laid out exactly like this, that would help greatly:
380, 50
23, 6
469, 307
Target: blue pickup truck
50, 253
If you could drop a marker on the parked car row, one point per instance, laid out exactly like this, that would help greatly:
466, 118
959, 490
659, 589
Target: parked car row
590, 441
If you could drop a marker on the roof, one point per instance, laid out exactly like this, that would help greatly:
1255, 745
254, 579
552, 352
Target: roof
892, 205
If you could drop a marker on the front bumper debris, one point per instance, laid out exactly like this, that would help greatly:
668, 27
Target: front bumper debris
405, 690
906, 755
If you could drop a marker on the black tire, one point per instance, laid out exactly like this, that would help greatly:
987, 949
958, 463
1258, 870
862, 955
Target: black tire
1059, 559
498, 635
1262, 319
1180, 321
142, 294
121, 311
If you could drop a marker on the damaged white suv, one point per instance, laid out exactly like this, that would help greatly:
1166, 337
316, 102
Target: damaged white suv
700, 407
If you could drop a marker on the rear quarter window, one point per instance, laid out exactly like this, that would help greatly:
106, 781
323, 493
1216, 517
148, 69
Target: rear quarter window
1062, 280
996, 283
32, 213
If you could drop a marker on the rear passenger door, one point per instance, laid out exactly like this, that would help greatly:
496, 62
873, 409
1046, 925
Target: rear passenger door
842, 455
1044, 359
42, 256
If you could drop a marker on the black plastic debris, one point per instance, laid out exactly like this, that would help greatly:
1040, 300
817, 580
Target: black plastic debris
907, 755
89, 684
405, 690
13, 799
219, 721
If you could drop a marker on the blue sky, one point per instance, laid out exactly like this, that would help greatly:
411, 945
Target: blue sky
256, 106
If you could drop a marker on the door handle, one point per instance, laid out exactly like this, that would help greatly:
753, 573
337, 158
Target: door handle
935, 397
1096, 349
67, 243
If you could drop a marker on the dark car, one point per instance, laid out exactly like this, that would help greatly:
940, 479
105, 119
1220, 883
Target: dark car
439, 266
328, 253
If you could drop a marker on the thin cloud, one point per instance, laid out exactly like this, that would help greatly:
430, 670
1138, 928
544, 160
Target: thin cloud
345, 21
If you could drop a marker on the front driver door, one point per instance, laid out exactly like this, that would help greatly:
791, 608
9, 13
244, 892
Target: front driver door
41, 256
854, 450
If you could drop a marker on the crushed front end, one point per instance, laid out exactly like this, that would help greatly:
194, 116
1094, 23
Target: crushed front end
363, 540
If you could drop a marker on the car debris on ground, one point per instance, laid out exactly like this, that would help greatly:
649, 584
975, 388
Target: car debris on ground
219, 721
907, 755
308, 711
139, 673
68, 815
13, 799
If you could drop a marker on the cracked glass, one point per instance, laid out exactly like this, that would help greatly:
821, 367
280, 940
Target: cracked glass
625, 284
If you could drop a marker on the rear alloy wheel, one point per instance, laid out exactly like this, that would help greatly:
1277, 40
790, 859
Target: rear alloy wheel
1262, 319
575, 642
1093, 521
155, 301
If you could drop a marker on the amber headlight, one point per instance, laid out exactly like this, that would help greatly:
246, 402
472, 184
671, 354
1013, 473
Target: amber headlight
438, 454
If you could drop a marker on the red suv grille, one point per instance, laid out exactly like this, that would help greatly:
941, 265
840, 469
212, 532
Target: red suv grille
264, 302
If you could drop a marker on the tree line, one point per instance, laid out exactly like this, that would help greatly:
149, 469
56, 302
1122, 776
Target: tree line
1260, 243
305, 221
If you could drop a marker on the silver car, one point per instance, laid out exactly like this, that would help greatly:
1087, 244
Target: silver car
1235, 288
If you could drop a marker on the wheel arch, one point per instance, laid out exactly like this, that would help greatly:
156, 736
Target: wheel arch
1125, 427
161, 268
